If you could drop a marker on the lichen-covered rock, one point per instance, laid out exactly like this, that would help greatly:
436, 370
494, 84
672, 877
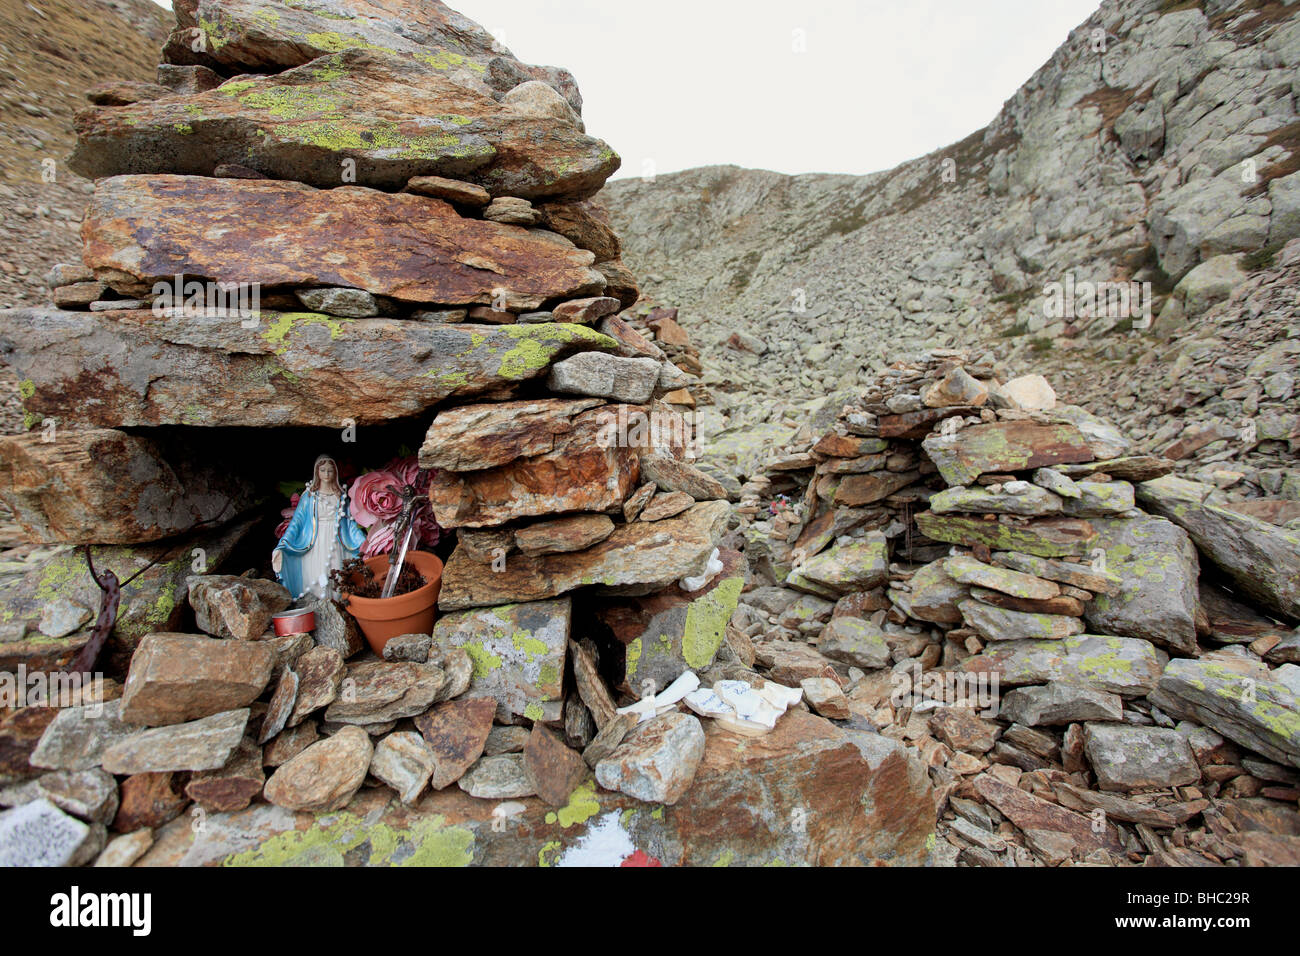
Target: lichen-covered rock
1059, 703
1033, 501
1004, 447
1126, 758
1015, 583
999, 624
933, 597
1119, 665
670, 632
325, 776
249, 36
1259, 713
518, 652
858, 564
854, 641
1042, 537
1158, 570
1263, 560
287, 369
394, 116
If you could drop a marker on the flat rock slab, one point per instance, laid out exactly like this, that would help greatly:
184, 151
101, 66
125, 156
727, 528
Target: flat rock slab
320, 675
1261, 558
101, 486
233, 785
999, 624
1126, 758
1063, 572
1261, 715
288, 369
1059, 703
1158, 569
326, 775
180, 677
204, 744
394, 116
1052, 831
518, 652
1125, 666
408, 247
1015, 583
477, 437
554, 770
856, 642
1032, 502
665, 634
498, 778
457, 733
640, 557
1041, 537
582, 471
1004, 447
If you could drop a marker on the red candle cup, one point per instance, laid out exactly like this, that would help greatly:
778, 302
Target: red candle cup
300, 621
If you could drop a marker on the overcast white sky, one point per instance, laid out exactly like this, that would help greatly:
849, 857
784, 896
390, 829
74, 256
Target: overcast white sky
685, 83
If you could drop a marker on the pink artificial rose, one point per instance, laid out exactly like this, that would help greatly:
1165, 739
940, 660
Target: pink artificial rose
286, 514
427, 530
379, 541
375, 497
407, 471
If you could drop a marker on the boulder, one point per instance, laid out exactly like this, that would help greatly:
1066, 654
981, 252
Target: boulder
1262, 559
1158, 571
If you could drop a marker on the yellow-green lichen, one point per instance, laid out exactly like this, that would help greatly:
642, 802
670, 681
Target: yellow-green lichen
632, 657
428, 842
533, 711
484, 661
706, 622
549, 853
582, 806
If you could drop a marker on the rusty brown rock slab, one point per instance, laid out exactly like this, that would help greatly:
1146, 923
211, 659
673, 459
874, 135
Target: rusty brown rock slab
256, 37
394, 116
107, 487
553, 769
1042, 537
636, 558
125, 369
1005, 447
583, 471
474, 437
585, 224
139, 230
456, 732
1054, 832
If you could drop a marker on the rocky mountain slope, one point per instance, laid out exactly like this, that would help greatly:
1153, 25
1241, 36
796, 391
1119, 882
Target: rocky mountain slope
1160, 144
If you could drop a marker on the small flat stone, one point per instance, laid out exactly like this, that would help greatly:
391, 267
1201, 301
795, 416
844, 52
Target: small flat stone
412, 648
320, 674
1127, 758
452, 190
826, 697
376, 692
999, 624
1015, 583
232, 786
610, 736
204, 744
561, 535
40, 834
553, 769
666, 505
456, 734
78, 736
1058, 703
854, 641
403, 761
497, 778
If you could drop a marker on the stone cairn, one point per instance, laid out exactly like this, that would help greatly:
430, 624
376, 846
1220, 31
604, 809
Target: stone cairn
411, 206
950, 529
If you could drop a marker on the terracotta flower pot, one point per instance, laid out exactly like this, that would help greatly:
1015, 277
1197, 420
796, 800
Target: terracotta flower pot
382, 619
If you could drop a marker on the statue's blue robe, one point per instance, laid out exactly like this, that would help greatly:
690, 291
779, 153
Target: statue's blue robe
301, 535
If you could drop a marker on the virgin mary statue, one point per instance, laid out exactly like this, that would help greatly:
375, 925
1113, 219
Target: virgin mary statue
320, 537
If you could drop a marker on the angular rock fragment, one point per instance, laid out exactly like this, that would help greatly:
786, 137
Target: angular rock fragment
403, 761
1052, 832
180, 677
204, 744
235, 607
78, 737
554, 770
657, 761
40, 834
1031, 502
498, 778
1126, 758
854, 641
563, 534
376, 692
1015, 583
1118, 665
231, 786
325, 776
630, 380
1004, 447
859, 564
1059, 703
999, 624
456, 735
